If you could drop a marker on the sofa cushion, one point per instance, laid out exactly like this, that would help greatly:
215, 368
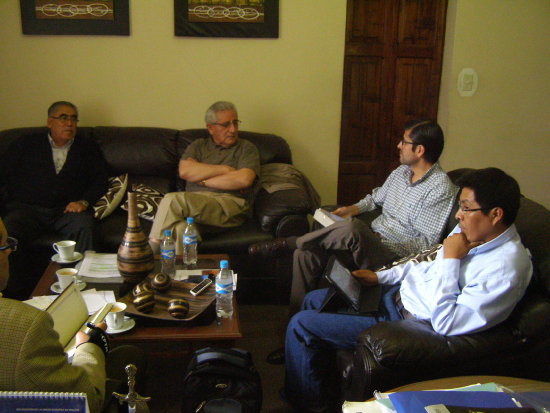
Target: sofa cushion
147, 199
112, 198
428, 254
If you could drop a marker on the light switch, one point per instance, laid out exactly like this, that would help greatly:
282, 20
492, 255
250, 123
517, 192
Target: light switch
467, 82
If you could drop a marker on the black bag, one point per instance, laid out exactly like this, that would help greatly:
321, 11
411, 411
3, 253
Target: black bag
221, 380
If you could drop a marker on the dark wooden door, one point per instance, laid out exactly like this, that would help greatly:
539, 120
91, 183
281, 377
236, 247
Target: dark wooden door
392, 71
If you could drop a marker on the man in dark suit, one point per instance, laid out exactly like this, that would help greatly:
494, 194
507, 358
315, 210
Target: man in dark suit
51, 181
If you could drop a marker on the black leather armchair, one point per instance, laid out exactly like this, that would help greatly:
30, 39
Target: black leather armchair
392, 354
150, 156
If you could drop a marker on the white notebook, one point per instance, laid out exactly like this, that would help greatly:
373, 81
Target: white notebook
325, 218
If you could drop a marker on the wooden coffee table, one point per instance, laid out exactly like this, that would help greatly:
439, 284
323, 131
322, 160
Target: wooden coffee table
163, 339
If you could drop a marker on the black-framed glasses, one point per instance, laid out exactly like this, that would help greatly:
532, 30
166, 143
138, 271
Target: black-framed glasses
226, 125
464, 209
11, 244
66, 118
404, 142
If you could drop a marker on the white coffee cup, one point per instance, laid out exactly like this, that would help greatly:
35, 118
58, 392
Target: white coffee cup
65, 276
115, 317
65, 249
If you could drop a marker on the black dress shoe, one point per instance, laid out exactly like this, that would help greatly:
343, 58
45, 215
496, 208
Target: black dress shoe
273, 248
276, 356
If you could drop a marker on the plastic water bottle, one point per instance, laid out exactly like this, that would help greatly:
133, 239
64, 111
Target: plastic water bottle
224, 291
168, 254
190, 236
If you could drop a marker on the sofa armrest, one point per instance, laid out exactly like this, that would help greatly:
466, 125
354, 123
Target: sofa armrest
408, 343
271, 208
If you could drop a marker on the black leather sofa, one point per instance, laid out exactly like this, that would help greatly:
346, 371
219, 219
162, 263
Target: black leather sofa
150, 156
393, 354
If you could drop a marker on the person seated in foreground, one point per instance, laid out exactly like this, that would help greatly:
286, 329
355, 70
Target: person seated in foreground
416, 201
32, 358
474, 283
219, 172
52, 180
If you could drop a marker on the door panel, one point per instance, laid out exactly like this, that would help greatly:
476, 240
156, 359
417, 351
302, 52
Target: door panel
392, 70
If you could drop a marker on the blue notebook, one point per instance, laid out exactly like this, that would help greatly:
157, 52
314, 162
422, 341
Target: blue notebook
416, 401
43, 402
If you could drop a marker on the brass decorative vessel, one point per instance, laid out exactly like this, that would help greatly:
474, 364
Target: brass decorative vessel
135, 257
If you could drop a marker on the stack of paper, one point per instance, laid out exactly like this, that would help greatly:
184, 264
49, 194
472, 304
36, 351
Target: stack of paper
419, 401
488, 397
99, 268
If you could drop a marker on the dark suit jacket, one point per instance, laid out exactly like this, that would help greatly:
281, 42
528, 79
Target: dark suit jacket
29, 173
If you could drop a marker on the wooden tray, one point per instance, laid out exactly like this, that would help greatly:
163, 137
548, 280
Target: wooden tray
178, 289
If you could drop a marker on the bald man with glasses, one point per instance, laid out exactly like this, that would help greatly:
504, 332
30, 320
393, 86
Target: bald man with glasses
219, 171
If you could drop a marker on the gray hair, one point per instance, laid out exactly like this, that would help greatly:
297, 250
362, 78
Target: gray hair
210, 117
53, 107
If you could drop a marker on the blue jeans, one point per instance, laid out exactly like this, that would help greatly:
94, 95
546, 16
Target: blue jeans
312, 338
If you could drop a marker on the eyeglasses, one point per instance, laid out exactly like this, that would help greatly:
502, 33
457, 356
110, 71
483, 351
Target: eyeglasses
404, 142
226, 125
11, 244
66, 118
464, 209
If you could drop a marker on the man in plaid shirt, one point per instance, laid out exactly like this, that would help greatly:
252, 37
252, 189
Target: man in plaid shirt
415, 200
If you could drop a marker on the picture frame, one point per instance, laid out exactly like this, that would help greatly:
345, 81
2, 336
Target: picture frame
227, 18
75, 17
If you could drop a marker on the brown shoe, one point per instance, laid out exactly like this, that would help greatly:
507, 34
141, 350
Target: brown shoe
273, 248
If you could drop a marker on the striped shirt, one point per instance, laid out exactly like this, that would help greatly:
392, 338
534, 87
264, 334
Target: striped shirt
413, 215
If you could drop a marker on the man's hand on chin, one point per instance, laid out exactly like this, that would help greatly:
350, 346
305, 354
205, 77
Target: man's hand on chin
457, 246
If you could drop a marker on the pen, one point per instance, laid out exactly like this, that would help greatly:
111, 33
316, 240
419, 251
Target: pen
90, 325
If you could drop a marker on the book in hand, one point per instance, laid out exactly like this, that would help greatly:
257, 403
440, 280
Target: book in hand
47, 402
69, 314
325, 218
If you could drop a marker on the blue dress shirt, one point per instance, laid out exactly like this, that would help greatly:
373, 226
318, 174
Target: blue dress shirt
472, 294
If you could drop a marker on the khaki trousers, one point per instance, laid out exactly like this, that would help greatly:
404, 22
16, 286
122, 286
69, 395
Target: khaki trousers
207, 208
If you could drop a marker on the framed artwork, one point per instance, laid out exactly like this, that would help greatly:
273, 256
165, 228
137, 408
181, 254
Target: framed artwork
226, 18
61, 17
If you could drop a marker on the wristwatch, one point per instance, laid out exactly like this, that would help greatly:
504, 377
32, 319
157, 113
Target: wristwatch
85, 203
203, 182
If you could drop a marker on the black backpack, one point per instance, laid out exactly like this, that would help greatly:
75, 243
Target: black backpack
221, 380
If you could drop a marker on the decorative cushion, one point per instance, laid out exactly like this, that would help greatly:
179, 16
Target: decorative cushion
147, 199
425, 255
112, 198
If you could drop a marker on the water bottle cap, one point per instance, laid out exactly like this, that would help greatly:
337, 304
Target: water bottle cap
167, 232
189, 220
224, 264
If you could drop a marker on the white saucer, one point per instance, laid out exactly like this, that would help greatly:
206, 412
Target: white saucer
129, 323
77, 256
56, 288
